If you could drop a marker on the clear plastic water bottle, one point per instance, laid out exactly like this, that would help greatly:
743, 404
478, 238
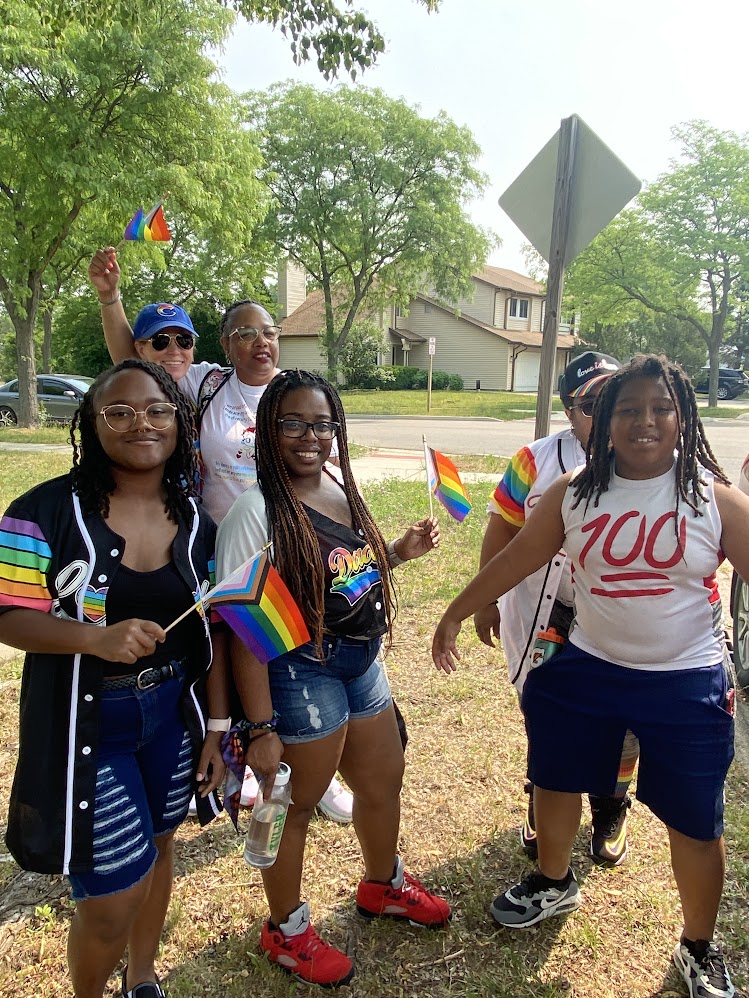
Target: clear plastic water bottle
268, 818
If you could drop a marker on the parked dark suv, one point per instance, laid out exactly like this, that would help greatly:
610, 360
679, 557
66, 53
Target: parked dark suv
731, 382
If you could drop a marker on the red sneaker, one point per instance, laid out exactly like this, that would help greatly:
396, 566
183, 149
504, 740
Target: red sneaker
404, 897
297, 949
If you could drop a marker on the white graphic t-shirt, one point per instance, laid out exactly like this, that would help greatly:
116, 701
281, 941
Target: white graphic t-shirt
643, 598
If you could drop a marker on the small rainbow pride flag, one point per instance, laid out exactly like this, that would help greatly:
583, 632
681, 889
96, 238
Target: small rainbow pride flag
445, 483
256, 604
150, 228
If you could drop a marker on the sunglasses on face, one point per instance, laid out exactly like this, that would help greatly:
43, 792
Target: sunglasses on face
586, 408
121, 418
162, 340
248, 334
324, 429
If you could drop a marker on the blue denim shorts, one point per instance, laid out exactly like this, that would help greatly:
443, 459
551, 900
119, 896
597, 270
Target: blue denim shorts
314, 697
144, 782
578, 707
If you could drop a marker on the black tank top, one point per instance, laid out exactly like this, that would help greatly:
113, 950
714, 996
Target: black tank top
160, 596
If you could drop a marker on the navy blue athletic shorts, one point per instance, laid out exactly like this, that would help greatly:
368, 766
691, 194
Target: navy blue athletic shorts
578, 708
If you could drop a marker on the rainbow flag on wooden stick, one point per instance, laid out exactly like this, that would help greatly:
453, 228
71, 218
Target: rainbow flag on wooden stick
445, 484
151, 228
256, 604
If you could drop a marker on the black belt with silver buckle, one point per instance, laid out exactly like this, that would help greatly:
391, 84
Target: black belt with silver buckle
143, 681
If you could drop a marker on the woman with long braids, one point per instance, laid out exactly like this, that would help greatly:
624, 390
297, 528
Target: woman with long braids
646, 524
326, 705
114, 733
226, 399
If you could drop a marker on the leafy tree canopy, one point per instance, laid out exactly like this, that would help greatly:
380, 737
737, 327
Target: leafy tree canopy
368, 197
97, 117
683, 250
338, 35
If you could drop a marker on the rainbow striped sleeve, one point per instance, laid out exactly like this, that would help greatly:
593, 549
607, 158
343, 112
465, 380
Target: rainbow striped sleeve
508, 499
24, 562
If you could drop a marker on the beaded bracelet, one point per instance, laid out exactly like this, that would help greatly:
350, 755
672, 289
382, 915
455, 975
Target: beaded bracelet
262, 725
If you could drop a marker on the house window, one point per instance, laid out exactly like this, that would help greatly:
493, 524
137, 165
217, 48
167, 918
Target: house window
518, 308
427, 307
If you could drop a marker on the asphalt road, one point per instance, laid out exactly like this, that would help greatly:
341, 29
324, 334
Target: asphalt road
729, 438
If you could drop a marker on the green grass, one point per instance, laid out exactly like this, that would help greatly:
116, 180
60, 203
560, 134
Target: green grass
497, 405
462, 804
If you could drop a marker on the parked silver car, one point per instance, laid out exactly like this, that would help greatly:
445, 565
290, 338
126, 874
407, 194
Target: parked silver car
58, 395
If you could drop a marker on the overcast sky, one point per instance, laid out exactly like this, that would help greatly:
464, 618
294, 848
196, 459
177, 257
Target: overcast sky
511, 71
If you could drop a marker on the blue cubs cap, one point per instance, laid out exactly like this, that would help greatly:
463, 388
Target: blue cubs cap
153, 318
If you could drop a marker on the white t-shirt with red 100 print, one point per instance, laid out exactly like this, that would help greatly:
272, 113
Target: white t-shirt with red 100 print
644, 599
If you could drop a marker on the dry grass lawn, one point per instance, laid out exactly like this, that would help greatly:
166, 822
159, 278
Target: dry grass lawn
463, 802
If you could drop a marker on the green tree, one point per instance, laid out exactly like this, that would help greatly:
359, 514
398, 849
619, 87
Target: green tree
369, 198
648, 332
97, 116
360, 354
683, 250
337, 34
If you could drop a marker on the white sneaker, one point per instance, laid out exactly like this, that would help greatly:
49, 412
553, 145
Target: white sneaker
336, 802
249, 788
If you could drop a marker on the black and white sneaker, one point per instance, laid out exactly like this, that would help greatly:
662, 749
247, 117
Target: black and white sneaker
535, 898
703, 968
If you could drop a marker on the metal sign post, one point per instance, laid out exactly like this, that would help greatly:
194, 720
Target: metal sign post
560, 202
432, 351
558, 250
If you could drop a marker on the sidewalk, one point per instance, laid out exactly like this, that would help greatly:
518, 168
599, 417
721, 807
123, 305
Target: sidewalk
405, 464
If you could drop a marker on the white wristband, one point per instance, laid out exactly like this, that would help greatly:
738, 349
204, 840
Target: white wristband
218, 724
393, 556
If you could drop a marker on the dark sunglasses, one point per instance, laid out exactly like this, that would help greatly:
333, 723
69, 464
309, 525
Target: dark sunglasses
162, 340
586, 408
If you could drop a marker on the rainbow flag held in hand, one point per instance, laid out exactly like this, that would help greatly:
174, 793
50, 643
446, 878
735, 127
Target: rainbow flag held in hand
256, 604
151, 228
445, 483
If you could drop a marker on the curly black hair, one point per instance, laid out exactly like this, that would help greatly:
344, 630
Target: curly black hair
296, 548
692, 449
91, 472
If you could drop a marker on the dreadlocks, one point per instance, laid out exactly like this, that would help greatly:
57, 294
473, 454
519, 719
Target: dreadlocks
297, 551
92, 473
692, 450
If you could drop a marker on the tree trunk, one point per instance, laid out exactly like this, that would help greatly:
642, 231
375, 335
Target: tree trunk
47, 342
28, 414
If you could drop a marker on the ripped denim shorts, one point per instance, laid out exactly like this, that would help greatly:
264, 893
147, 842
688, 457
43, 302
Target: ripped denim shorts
314, 697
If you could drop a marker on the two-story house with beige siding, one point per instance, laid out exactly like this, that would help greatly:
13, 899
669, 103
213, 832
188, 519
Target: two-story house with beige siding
492, 339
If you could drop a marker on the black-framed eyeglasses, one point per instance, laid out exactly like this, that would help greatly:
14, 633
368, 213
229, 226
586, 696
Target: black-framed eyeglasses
160, 341
324, 429
248, 334
586, 408
121, 418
